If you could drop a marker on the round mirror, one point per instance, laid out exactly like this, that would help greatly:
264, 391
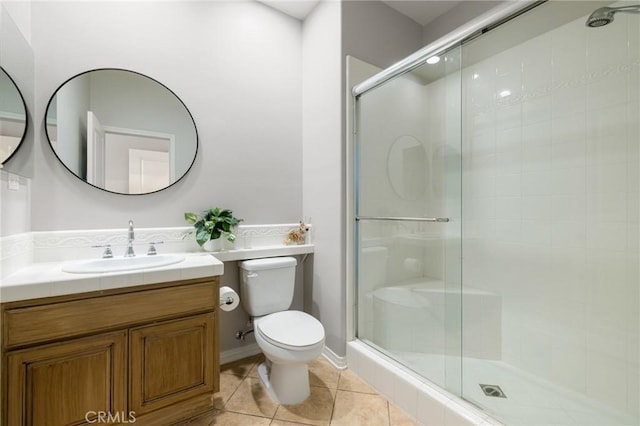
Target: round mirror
121, 131
407, 167
13, 117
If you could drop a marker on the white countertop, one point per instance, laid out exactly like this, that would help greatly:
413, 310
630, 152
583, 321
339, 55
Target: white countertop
264, 251
46, 279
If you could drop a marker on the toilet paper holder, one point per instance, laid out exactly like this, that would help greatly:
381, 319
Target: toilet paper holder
229, 299
226, 301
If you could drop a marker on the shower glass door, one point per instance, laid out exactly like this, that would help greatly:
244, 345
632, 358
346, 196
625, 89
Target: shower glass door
408, 223
521, 149
550, 226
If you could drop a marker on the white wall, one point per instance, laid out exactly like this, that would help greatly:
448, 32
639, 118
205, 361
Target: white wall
16, 57
323, 174
236, 65
15, 206
366, 30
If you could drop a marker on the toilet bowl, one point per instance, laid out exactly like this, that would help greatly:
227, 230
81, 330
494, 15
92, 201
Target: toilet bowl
289, 341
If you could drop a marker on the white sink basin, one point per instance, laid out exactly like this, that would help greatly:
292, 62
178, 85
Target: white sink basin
117, 264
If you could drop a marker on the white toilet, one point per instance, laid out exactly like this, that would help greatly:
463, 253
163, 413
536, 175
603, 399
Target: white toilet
288, 339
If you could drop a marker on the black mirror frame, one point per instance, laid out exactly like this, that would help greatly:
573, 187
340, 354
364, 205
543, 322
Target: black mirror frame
195, 128
26, 118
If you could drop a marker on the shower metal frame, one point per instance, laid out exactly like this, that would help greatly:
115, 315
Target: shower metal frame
473, 28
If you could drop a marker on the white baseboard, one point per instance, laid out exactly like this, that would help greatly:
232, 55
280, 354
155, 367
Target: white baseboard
339, 362
239, 353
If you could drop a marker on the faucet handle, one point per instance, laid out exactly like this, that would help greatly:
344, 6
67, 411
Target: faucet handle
107, 254
152, 248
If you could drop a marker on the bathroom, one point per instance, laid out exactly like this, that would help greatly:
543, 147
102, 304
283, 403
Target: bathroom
271, 165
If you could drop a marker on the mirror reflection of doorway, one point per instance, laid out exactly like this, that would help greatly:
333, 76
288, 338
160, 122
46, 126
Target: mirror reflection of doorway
148, 171
129, 161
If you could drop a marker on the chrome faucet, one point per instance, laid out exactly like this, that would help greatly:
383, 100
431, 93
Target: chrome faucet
130, 238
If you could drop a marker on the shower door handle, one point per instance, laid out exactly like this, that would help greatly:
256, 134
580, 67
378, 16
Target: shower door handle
407, 219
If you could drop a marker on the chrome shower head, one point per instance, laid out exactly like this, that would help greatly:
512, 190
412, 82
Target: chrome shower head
600, 17
604, 15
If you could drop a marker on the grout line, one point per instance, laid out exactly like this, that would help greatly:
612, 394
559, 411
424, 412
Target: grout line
335, 400
360, 392
273, 418
232, 393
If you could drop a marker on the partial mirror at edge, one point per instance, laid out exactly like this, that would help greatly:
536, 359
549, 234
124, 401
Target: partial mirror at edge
407, 168
121, 131
13, 117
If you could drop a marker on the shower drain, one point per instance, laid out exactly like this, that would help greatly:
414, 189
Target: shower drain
493, 390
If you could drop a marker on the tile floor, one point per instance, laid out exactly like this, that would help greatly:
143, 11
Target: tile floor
337, 398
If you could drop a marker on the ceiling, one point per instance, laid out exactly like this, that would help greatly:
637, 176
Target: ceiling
421, 11
297, 8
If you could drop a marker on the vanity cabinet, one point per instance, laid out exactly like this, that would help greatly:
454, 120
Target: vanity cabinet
168, 362
148, 353
59, 384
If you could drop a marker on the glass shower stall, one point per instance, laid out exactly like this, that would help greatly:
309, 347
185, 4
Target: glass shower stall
497, 195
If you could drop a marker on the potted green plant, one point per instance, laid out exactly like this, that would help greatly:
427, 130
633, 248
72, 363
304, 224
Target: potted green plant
213, 224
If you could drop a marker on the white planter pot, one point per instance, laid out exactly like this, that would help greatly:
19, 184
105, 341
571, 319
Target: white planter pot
213, 245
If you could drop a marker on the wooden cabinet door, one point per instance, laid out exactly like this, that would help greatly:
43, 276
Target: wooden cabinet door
67, 383
171, 361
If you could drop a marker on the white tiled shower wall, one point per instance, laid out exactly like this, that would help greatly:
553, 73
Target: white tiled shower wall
551, 196
550, 199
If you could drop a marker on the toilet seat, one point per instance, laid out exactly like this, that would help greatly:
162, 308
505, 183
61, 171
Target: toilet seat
294, 330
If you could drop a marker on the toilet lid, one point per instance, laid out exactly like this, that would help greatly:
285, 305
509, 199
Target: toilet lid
292, 328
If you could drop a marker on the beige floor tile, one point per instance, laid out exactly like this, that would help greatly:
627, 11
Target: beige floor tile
399, 418
322, 373
351, 382
241, 367
251, 398
227, 418
315, 410
228, 385
360, 409
253, 372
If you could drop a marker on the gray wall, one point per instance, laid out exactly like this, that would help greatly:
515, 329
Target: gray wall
237, 67
455, 18
377, 34
133, 102
72, 104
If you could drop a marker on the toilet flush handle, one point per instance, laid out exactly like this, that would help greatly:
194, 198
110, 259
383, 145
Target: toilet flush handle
252, 274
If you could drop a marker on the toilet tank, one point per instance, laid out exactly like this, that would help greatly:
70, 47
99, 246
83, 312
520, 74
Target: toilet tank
267, 285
